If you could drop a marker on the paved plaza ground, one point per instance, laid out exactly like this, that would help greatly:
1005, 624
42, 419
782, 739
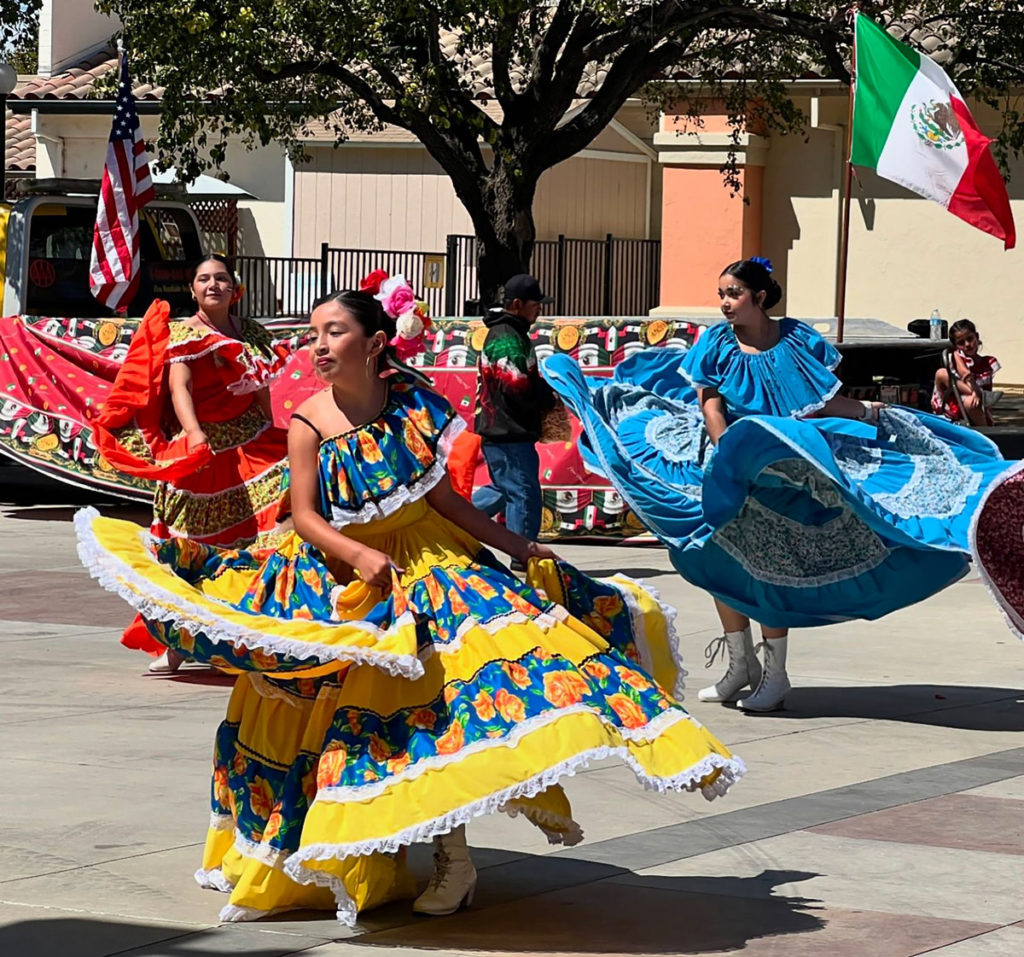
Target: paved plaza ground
882, 815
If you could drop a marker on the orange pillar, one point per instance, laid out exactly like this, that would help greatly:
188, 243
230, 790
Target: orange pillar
703, 225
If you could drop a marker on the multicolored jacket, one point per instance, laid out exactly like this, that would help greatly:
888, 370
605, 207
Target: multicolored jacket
511, 396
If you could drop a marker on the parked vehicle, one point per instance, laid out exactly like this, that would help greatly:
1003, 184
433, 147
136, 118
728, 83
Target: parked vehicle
46, 247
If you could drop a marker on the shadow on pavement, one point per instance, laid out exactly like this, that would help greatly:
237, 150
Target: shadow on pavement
196, 676
629, 572
98, 937
964, 707
592, 908
613, 911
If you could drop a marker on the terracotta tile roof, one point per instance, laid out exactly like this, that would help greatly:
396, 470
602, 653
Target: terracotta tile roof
933, 39
76, 82
20, 152
20, 144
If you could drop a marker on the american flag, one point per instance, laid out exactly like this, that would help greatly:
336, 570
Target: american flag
126, 188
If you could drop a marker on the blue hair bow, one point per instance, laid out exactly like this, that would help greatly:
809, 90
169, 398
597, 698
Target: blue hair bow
763, 261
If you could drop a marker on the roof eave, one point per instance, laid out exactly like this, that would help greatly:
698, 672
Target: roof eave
73, 107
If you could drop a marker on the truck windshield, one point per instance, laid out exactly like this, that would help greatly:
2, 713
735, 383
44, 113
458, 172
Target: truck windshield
60, 246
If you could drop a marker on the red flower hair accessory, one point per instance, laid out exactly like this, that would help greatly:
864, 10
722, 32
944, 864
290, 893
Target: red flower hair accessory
371, 283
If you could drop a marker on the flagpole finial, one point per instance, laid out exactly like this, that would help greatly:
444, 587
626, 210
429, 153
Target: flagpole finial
120, 46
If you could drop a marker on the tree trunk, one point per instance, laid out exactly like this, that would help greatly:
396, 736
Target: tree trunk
505, 231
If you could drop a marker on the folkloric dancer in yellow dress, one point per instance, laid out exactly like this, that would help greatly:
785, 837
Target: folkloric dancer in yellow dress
396, 680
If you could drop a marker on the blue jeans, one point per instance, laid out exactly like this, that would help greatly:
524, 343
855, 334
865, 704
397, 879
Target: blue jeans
514, 488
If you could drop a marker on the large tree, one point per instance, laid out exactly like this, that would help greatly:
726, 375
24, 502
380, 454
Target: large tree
19, 33
558, 69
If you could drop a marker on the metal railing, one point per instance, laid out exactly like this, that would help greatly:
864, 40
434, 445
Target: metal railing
423, 270
278, 286
586, 277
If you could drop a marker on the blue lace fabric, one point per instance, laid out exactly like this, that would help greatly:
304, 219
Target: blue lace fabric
793, 519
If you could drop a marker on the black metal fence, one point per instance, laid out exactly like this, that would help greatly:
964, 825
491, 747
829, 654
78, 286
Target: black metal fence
278, 286
423, 270
586, 277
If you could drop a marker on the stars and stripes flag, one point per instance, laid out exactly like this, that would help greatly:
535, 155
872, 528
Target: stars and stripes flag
126, 188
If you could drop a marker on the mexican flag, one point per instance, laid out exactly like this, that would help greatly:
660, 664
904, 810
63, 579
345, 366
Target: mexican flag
911, 125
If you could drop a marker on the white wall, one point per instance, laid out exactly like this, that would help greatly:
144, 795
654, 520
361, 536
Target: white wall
76, 147
69, 30
907, 254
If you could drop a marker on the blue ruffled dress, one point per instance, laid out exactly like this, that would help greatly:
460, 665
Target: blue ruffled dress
793, 520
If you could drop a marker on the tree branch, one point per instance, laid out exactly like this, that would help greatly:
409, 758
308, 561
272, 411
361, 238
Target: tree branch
501, 58
544, 57
630, 70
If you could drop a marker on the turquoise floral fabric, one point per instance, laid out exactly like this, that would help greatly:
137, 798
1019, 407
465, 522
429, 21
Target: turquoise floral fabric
794, 377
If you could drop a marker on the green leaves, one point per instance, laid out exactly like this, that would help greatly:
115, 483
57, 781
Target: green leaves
263, 70
19, 33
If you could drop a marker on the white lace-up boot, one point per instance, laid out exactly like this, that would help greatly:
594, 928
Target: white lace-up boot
454, 880
744, 669
774, 684
168, 663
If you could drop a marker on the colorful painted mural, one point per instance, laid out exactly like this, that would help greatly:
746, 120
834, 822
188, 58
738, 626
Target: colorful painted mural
56, 374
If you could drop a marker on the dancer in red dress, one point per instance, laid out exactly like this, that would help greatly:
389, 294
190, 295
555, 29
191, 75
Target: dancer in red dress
190, 409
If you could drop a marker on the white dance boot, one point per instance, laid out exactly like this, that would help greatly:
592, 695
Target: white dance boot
454, 880
168, 663
774, 684
744, 668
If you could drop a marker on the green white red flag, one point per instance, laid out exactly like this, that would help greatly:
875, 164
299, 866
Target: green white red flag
911, 125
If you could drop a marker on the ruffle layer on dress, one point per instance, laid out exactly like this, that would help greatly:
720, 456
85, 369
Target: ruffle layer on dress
997, 544
794, 522
251, 362
402, 455
793, 378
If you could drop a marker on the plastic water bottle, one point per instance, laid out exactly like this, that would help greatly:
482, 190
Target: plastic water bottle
935, 325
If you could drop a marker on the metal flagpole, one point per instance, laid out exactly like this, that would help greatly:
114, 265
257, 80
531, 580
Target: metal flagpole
844, 240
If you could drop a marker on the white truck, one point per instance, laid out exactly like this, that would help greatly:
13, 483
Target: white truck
46, 244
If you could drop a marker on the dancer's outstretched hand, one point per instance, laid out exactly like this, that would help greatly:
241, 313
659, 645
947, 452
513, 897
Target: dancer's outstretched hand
375, 567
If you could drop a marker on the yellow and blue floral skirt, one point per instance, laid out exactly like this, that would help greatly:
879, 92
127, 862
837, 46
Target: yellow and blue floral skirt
360, 724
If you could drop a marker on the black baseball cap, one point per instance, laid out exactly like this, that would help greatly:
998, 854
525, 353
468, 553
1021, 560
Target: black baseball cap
523, 287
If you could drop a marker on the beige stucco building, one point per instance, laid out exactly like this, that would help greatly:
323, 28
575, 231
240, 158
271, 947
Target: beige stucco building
643, 177
385, 191
907, 255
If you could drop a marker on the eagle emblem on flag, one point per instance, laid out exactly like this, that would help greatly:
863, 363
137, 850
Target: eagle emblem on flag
936, 124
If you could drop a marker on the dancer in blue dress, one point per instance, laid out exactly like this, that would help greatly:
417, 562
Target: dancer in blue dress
789, 503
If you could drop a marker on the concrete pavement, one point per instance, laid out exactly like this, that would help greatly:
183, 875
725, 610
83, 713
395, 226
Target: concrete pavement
882, 816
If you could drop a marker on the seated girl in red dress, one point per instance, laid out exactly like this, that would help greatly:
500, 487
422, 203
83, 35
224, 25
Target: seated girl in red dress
972, 378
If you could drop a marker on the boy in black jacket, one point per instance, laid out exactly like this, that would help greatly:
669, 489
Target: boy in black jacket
512, 399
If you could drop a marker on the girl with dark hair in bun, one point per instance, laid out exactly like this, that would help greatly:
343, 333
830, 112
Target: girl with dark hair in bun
793, 505
397, 679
